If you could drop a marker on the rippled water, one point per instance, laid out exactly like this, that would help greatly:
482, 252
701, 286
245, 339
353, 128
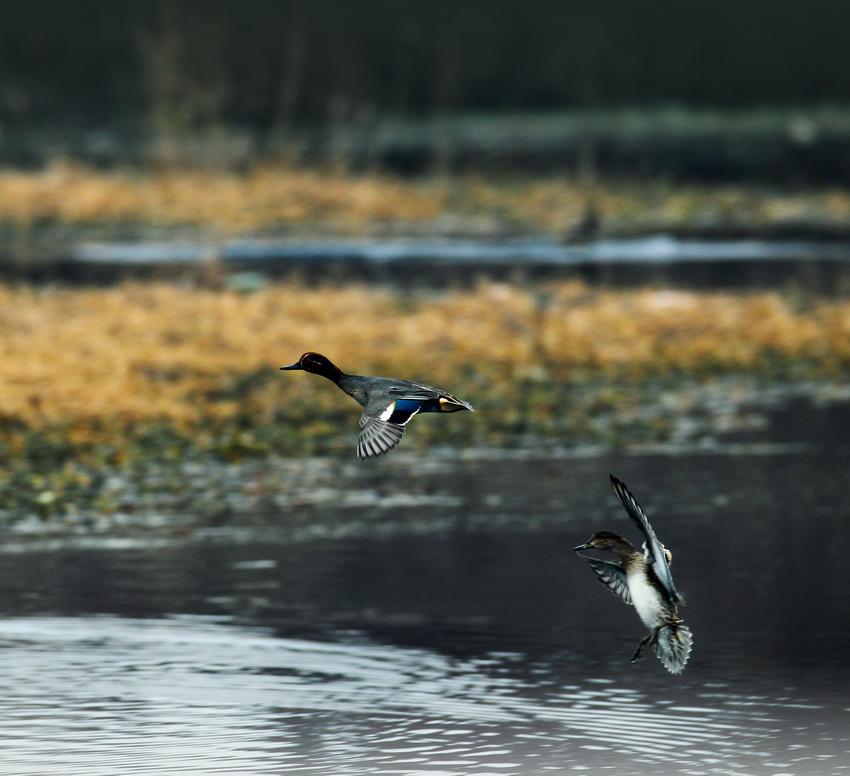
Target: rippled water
473, 643
107, 695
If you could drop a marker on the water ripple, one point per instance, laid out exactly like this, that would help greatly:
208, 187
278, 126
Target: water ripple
112, 696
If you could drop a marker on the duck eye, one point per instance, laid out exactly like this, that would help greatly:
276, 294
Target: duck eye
313, 361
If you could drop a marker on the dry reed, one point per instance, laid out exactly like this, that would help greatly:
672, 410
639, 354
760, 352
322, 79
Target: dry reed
98, 362
270, 197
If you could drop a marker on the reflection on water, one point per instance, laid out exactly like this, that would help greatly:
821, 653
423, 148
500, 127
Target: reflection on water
106, 695
470, 642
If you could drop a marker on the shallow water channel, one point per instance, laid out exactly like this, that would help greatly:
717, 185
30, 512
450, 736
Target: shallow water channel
444, 627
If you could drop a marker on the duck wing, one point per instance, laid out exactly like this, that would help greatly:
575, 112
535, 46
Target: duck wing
377, 437
431, 399
655, 550
612, 575
389, 406
382, 425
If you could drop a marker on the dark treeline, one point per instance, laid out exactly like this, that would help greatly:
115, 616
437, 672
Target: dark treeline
136, 75
270, 63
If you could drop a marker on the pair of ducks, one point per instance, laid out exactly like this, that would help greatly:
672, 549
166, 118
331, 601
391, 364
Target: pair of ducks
641, 579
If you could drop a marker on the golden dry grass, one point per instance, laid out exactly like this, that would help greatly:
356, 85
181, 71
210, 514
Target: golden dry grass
99, 362
269, 196
70, 194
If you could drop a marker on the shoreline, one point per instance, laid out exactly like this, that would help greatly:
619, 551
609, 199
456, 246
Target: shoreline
197, 494
47, 217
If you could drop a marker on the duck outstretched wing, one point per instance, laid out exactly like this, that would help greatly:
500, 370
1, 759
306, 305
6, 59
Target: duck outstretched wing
377, 437
386, 414
655, 549
382, 425
611, 575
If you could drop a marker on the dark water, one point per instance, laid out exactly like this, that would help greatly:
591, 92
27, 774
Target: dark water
435, 260
445, 628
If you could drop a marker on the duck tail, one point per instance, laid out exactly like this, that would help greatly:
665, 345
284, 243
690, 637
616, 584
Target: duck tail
673, 646
448, 403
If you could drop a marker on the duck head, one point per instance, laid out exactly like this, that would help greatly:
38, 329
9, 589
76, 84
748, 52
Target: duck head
317, 364
607, 540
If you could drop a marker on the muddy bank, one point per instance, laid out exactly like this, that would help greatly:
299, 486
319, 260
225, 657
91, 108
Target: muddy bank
195, 493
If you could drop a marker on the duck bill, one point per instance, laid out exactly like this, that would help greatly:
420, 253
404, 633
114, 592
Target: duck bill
583, 547
296, 365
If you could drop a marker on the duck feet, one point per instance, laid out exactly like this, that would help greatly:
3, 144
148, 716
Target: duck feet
642, 646
675, 621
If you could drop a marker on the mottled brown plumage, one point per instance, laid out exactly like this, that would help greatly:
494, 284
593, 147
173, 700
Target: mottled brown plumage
643, 580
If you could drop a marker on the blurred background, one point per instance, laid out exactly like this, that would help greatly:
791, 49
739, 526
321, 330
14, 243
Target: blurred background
701, 91
621, 231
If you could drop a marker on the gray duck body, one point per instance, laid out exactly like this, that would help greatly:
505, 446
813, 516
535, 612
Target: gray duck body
389, 404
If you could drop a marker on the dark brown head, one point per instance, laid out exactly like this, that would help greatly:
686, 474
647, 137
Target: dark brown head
317, 364
608, 540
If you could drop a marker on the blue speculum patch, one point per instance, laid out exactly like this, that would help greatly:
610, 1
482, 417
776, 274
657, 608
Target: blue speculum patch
404, 410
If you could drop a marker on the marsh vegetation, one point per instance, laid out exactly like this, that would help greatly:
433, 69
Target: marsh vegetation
76, 200
145, 374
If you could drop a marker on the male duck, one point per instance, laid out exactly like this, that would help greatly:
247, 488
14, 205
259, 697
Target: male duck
388, 404
645, 581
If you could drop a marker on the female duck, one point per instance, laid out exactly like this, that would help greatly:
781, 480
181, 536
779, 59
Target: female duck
389, 404
644, 580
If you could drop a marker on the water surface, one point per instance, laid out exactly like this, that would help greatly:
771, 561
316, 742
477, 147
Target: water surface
446, 629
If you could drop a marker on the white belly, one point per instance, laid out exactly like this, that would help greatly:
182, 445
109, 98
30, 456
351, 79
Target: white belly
646, 599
